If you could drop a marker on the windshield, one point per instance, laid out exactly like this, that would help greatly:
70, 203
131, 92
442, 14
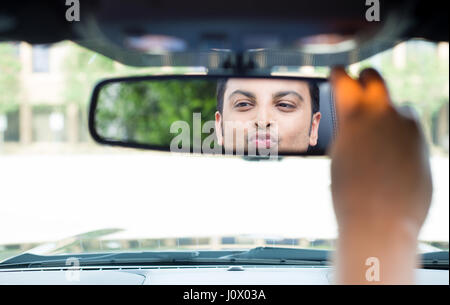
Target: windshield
63, 193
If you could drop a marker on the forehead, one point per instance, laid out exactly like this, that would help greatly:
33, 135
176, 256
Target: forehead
262, 87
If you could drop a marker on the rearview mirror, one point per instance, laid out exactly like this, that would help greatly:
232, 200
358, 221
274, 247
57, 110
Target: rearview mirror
260, 116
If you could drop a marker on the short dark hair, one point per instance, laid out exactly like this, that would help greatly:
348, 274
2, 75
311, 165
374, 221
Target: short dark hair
313, 92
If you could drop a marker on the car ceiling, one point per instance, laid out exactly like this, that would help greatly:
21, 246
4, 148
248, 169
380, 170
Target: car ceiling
233, 35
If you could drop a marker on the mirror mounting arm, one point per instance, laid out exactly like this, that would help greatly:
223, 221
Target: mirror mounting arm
239, 64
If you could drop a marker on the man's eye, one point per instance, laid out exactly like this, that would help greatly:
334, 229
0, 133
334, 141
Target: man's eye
285, 106
243, 104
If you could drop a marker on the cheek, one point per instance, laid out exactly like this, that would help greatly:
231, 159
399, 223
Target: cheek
294, 129
236, 124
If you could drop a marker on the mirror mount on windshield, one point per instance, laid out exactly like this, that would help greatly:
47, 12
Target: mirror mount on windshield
240, 64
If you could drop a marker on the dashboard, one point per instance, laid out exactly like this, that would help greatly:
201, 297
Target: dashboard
188, 275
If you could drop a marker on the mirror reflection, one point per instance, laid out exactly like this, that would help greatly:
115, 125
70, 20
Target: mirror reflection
251, 116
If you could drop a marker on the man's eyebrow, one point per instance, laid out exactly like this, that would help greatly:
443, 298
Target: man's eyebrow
242, 92
281, 94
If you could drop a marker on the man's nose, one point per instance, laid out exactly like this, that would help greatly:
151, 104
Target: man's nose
264, 118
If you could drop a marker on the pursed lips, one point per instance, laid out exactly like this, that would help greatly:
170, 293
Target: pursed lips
266, 140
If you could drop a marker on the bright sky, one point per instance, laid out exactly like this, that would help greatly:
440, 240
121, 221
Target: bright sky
47, 198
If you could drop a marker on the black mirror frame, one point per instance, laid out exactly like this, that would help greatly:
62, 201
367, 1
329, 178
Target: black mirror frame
94, 101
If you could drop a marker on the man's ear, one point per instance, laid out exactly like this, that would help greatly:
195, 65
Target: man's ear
218, 123
314, 134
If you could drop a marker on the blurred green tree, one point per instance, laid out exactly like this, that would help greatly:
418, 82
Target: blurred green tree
422, 82
143, 111
83, 68
9, 78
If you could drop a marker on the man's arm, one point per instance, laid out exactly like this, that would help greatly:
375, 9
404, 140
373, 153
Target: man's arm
381, 183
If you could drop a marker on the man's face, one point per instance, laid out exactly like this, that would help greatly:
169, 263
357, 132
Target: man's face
267, 113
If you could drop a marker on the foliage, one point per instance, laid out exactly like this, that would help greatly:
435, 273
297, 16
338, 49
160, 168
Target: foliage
422, 81
9, 78
143, 111
83, 68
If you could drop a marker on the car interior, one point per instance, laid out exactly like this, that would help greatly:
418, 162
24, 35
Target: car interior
286, 48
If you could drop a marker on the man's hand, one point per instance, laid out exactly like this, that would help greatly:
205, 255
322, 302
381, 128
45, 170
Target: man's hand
381, 181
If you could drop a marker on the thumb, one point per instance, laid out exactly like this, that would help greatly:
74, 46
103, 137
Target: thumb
348, 93
376, 94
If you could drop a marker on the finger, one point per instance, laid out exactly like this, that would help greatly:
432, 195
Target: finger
376, 93
347, 92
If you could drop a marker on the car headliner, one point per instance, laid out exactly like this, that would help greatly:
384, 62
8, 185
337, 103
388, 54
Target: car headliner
104, 26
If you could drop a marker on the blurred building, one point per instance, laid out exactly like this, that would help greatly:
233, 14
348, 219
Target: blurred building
45, 122
43, 119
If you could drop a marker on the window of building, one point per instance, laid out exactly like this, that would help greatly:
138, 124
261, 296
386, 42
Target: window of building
49, 124
228, 240
9, 126
41, 58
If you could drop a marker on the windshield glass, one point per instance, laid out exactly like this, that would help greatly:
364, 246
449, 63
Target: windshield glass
63, 193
